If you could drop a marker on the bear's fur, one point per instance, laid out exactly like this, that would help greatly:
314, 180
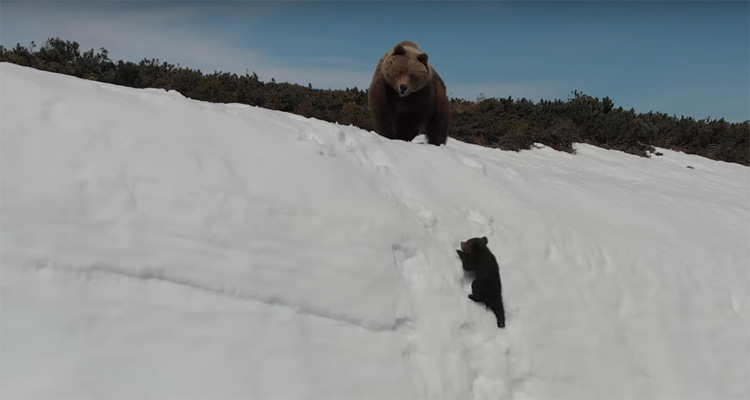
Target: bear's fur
486, 288
408, 97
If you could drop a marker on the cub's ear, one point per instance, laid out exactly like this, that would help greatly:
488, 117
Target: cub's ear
484, 240
399, 50
423, 58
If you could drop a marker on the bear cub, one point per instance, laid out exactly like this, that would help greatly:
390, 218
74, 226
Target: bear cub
408, 97
486, 288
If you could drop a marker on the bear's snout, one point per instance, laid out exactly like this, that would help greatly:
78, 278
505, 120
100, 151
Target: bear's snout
402, 89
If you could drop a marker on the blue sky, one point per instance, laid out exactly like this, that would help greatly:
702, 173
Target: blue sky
680, 57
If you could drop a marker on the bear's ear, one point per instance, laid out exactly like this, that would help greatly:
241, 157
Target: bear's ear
423, 58
484, 240
399, 50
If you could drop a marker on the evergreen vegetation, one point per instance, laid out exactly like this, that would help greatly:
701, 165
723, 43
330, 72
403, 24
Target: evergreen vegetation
506, 123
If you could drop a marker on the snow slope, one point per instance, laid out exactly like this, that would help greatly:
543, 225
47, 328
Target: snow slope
159, 247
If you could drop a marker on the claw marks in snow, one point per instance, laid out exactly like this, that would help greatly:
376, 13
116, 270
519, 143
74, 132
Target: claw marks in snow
480, 220
472, 163
324, 149
436, 356
412, 267
413, 283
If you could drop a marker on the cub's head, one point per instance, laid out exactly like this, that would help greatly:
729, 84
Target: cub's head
472, 252
405, 68
474, 246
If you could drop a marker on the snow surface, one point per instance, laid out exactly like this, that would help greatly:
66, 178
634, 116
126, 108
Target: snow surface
159, 247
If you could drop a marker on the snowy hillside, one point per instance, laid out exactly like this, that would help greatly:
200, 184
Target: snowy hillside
159, 247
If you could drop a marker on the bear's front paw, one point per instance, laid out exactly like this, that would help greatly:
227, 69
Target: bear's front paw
420, 139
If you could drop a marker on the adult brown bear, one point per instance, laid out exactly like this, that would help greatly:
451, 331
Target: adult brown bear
407, 96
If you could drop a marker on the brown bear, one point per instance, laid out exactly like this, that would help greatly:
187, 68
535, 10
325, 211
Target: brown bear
407, 96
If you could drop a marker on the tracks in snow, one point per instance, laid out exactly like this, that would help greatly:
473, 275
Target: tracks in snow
454, 349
